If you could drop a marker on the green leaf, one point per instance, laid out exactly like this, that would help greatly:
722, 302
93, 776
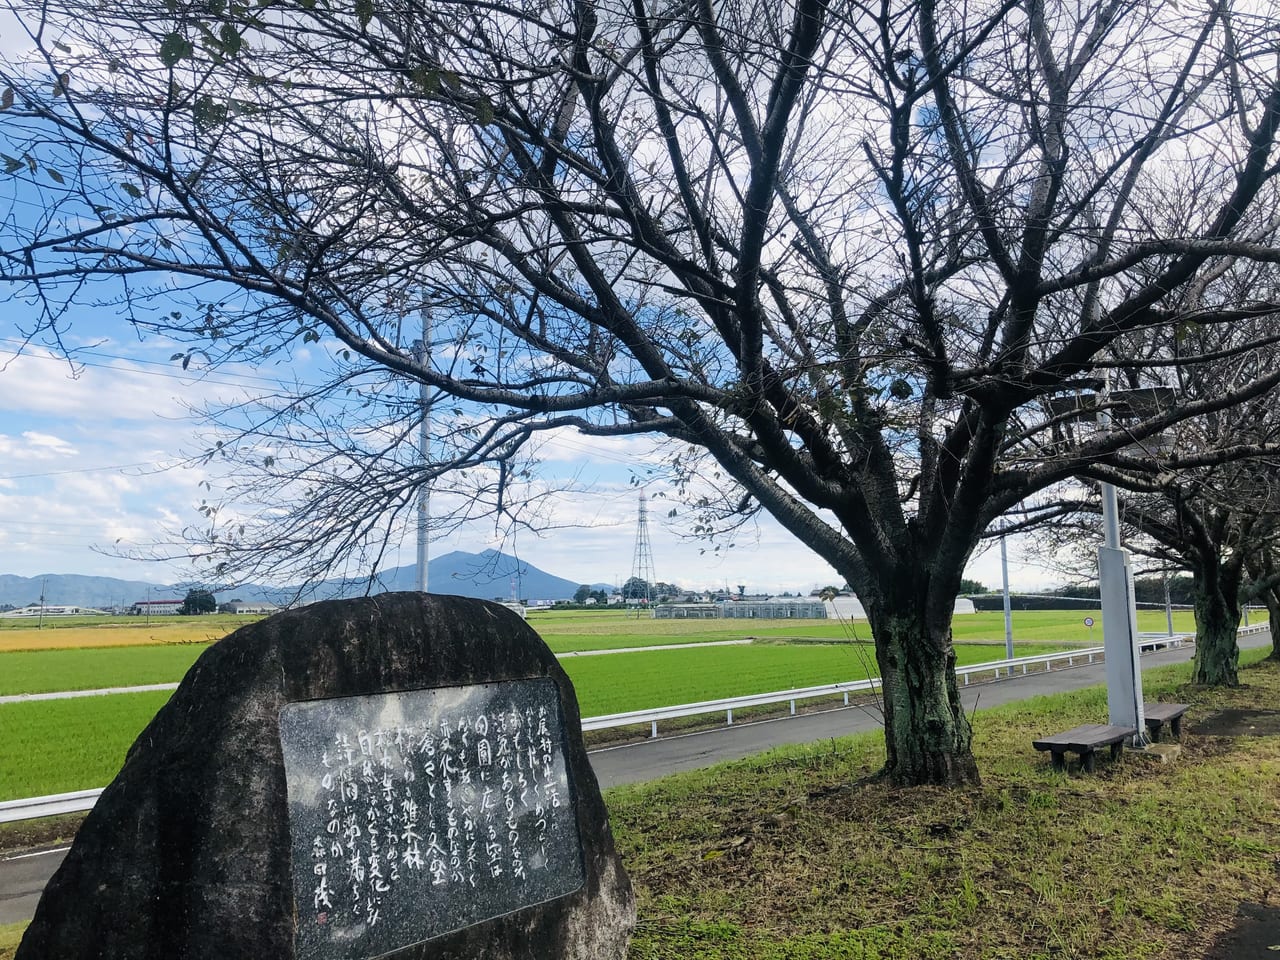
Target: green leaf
6, 98
131, 190
208, 112
364, 12
900, 389
311, 337
59, 45
231, 39
484, 111
54, 175
174, 48
426, 79
11, 164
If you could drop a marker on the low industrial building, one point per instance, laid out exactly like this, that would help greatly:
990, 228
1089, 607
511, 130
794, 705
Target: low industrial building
775, 608
247, 607
778, 608
164, 608
54, 610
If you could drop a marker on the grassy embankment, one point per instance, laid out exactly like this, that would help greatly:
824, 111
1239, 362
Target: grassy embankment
778, 858
795, 855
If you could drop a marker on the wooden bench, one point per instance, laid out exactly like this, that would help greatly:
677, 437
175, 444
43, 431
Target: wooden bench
1084, 740
1158, 714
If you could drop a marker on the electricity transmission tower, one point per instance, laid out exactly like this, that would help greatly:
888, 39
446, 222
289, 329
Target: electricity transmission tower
642, 560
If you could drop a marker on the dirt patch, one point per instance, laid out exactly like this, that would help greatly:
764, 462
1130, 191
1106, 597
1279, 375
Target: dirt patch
28, 835
1234, 722
1256, 935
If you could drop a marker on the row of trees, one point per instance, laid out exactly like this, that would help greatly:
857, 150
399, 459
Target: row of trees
863, 268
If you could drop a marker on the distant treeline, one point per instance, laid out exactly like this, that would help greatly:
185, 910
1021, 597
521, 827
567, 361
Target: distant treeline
1148, 591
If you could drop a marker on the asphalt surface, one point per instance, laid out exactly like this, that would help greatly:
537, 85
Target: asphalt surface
23, 878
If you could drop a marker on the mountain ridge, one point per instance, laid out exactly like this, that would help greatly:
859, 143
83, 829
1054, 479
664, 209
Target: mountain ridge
488, 575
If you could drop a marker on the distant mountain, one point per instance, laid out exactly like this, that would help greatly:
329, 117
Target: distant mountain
490, 575
75, 590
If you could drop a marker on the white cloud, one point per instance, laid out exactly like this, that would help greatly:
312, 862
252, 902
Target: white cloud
33, 447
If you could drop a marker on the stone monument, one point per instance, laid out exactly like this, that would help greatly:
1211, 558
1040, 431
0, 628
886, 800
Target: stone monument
395, 776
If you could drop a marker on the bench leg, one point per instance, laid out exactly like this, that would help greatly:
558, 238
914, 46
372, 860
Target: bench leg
1175, 728
1116, 750
1155, 726
1087, 761
1059, 761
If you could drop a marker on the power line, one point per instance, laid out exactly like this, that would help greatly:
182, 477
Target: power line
62, 473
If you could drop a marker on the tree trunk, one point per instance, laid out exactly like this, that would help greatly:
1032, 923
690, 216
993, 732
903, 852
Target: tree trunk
1272, 598
927, 735
1217, 609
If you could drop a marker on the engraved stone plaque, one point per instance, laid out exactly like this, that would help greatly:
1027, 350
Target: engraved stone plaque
416, 813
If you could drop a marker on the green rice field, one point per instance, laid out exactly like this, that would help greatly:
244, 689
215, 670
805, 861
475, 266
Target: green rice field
52, 746
56, 746
88, 668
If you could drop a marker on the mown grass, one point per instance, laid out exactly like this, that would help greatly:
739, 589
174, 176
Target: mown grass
797, 855
10, 934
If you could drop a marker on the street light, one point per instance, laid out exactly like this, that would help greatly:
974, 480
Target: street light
1115, 573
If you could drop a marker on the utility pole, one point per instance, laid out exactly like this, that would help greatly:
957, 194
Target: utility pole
1119, 616
43, 583
1168, 607
642, 559
1008, 607
422, 354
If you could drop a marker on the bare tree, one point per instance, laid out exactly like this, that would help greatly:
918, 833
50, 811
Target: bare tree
843, 251
1219, 520
1264, 576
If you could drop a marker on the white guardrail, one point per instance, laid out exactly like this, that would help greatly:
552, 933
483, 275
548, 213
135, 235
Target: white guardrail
12, 810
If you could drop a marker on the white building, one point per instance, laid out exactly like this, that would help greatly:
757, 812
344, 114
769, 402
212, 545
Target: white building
247, 607
164, 608
54, 610
849, 607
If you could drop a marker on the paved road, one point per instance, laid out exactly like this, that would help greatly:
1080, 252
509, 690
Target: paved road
22, 879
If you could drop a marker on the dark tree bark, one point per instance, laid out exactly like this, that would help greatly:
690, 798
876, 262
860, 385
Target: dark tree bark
1266, 586
928, 736
1217, 610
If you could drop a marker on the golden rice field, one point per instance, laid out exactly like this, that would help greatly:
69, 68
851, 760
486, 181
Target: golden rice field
121, 632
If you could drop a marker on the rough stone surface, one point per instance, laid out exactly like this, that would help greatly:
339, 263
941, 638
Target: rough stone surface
1255, 936
1235, 722
187, 853
1155, 752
